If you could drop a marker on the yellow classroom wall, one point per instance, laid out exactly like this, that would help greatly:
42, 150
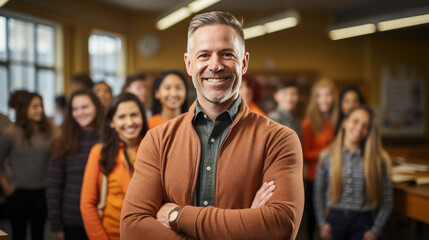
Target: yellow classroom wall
303, 48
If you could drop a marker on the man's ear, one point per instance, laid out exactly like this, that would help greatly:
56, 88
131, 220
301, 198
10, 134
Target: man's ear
187, 64
245, 63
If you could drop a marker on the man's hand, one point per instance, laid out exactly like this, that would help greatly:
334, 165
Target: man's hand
369, 236
162, 214
325, 232
263, 195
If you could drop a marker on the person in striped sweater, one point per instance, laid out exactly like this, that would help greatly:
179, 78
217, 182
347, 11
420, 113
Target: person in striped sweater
70, 149
26, 144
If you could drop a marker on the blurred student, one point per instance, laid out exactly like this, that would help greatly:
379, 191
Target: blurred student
350, 97
251, 92
317, 133
104, 93
60, 108
110, 167
81, 81
26, 144
136, 84
13, 100
71, 145
352, 190
286, 95
4, 122
169, 97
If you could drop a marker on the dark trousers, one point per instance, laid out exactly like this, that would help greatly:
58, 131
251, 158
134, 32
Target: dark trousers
27, 206
309, 209
75, 233
349, 225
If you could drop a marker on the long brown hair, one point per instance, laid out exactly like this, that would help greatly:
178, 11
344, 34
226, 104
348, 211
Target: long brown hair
23, 101
374, 159
66, 139
110, 139
312, 111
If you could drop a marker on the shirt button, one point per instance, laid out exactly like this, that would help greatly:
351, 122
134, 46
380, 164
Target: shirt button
205, 116
350, 190
208, 168
212, 140
349, 180
349, 171
205, 203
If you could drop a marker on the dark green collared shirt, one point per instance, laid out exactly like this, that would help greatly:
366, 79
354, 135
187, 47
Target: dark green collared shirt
211, 135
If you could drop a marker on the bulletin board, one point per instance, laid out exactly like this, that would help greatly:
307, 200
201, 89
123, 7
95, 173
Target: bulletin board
403, 107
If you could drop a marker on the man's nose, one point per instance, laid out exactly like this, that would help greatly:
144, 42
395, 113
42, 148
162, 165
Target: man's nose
215, 63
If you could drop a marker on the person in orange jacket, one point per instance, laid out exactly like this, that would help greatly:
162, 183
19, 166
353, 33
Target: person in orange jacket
112, 159
317, 133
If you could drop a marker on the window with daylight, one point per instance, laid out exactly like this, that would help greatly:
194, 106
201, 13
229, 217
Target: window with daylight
106, 60
27, 60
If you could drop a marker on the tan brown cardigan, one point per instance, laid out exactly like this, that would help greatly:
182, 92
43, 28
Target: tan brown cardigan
255, 150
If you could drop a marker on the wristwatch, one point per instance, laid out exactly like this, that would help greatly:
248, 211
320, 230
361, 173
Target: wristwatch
173, 216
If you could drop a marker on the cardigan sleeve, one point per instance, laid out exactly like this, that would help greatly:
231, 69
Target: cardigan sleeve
55, 193
138, 216
90, 196
279, 219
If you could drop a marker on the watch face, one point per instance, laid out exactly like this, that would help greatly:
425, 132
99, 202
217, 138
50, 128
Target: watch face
173, 215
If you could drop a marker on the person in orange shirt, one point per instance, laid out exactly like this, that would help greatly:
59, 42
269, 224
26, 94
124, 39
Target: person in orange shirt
251, 92
114, 157
169, 97
317, 133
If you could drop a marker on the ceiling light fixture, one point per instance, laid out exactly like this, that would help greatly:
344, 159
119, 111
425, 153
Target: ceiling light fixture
354, 31
199, 5
380, 23
403, 22
279, 22
183, 11
3, 2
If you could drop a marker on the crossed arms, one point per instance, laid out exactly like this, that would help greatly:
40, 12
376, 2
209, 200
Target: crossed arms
278, 219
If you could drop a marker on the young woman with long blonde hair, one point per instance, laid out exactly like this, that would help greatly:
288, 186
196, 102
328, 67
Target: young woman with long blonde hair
352, 182
317, 133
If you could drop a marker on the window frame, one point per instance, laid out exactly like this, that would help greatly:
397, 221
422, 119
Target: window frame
9, 62
119, 72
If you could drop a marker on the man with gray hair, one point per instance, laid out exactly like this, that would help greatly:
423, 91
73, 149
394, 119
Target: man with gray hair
218, 171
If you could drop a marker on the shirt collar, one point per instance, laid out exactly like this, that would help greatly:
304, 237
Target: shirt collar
358, 151
284, 113
231, 112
